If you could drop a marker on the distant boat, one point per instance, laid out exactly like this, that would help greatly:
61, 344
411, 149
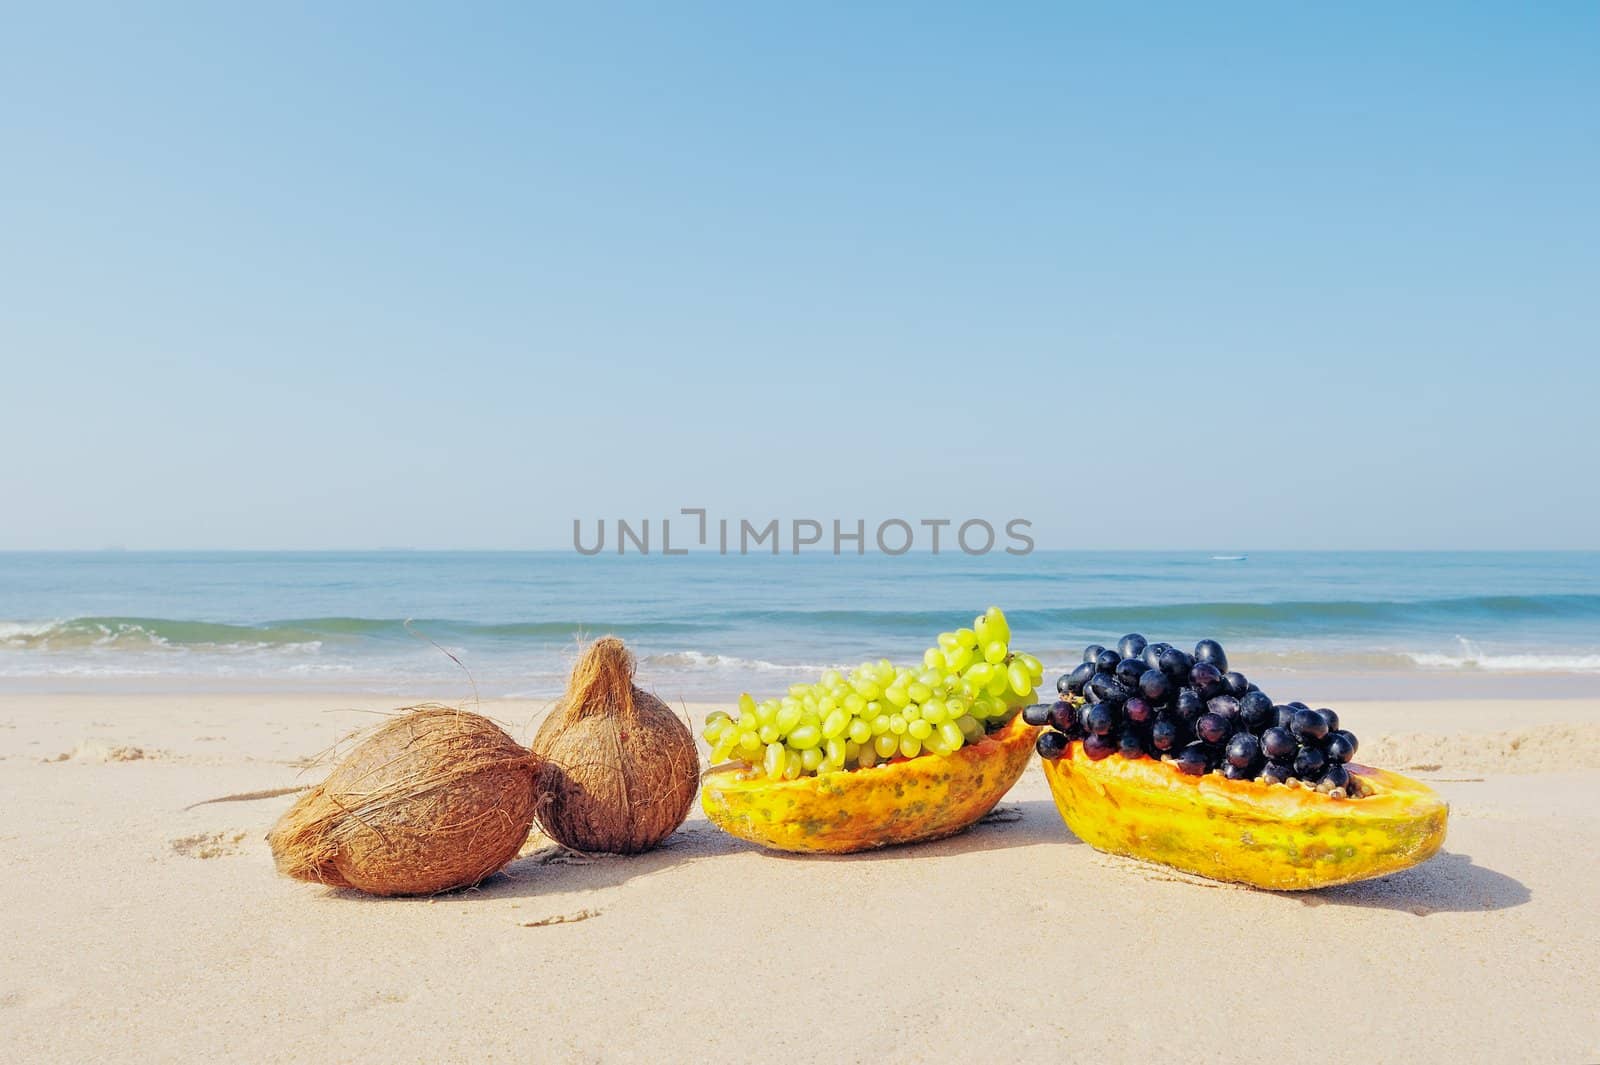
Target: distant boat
1229, 558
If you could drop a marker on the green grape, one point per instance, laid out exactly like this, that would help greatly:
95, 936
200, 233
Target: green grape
774, 761
969, 681
958, 659
999, 628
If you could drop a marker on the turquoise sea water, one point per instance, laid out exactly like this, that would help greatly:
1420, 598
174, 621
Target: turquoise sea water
708, 626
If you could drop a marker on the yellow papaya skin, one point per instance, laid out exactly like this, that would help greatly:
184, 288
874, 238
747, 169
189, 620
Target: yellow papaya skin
1267, 836
919, 799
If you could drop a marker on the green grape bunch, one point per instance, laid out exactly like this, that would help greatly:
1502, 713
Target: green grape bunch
968, 685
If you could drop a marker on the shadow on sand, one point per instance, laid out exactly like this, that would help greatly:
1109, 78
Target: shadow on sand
1446, 883
554, 870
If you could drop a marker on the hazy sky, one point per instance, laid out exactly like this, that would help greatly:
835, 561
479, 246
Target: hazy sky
1196, 275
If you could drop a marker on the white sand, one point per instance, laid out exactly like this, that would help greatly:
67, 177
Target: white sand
132, 929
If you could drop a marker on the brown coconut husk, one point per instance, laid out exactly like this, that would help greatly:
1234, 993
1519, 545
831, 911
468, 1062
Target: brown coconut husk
617, 769
435, 799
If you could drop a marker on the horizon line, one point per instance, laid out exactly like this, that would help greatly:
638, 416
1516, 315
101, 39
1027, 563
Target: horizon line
1228, 554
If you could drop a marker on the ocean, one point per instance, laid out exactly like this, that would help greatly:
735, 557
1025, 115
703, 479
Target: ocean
418, 624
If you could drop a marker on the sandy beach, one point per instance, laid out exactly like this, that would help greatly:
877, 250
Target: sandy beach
137, 929
895, 366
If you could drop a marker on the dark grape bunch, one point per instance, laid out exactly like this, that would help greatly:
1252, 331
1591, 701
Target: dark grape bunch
1144, 699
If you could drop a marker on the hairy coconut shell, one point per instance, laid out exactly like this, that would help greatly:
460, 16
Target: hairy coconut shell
435, 799
617, 769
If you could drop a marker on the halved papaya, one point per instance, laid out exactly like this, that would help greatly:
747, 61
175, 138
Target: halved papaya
910, 801
1247, 832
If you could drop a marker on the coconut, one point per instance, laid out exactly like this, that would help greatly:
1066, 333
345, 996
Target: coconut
617, 770
435, 799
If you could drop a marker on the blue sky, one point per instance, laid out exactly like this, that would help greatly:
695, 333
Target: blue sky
1253, 276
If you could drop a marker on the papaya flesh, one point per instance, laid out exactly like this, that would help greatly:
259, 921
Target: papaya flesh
923, 798
1267, 836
